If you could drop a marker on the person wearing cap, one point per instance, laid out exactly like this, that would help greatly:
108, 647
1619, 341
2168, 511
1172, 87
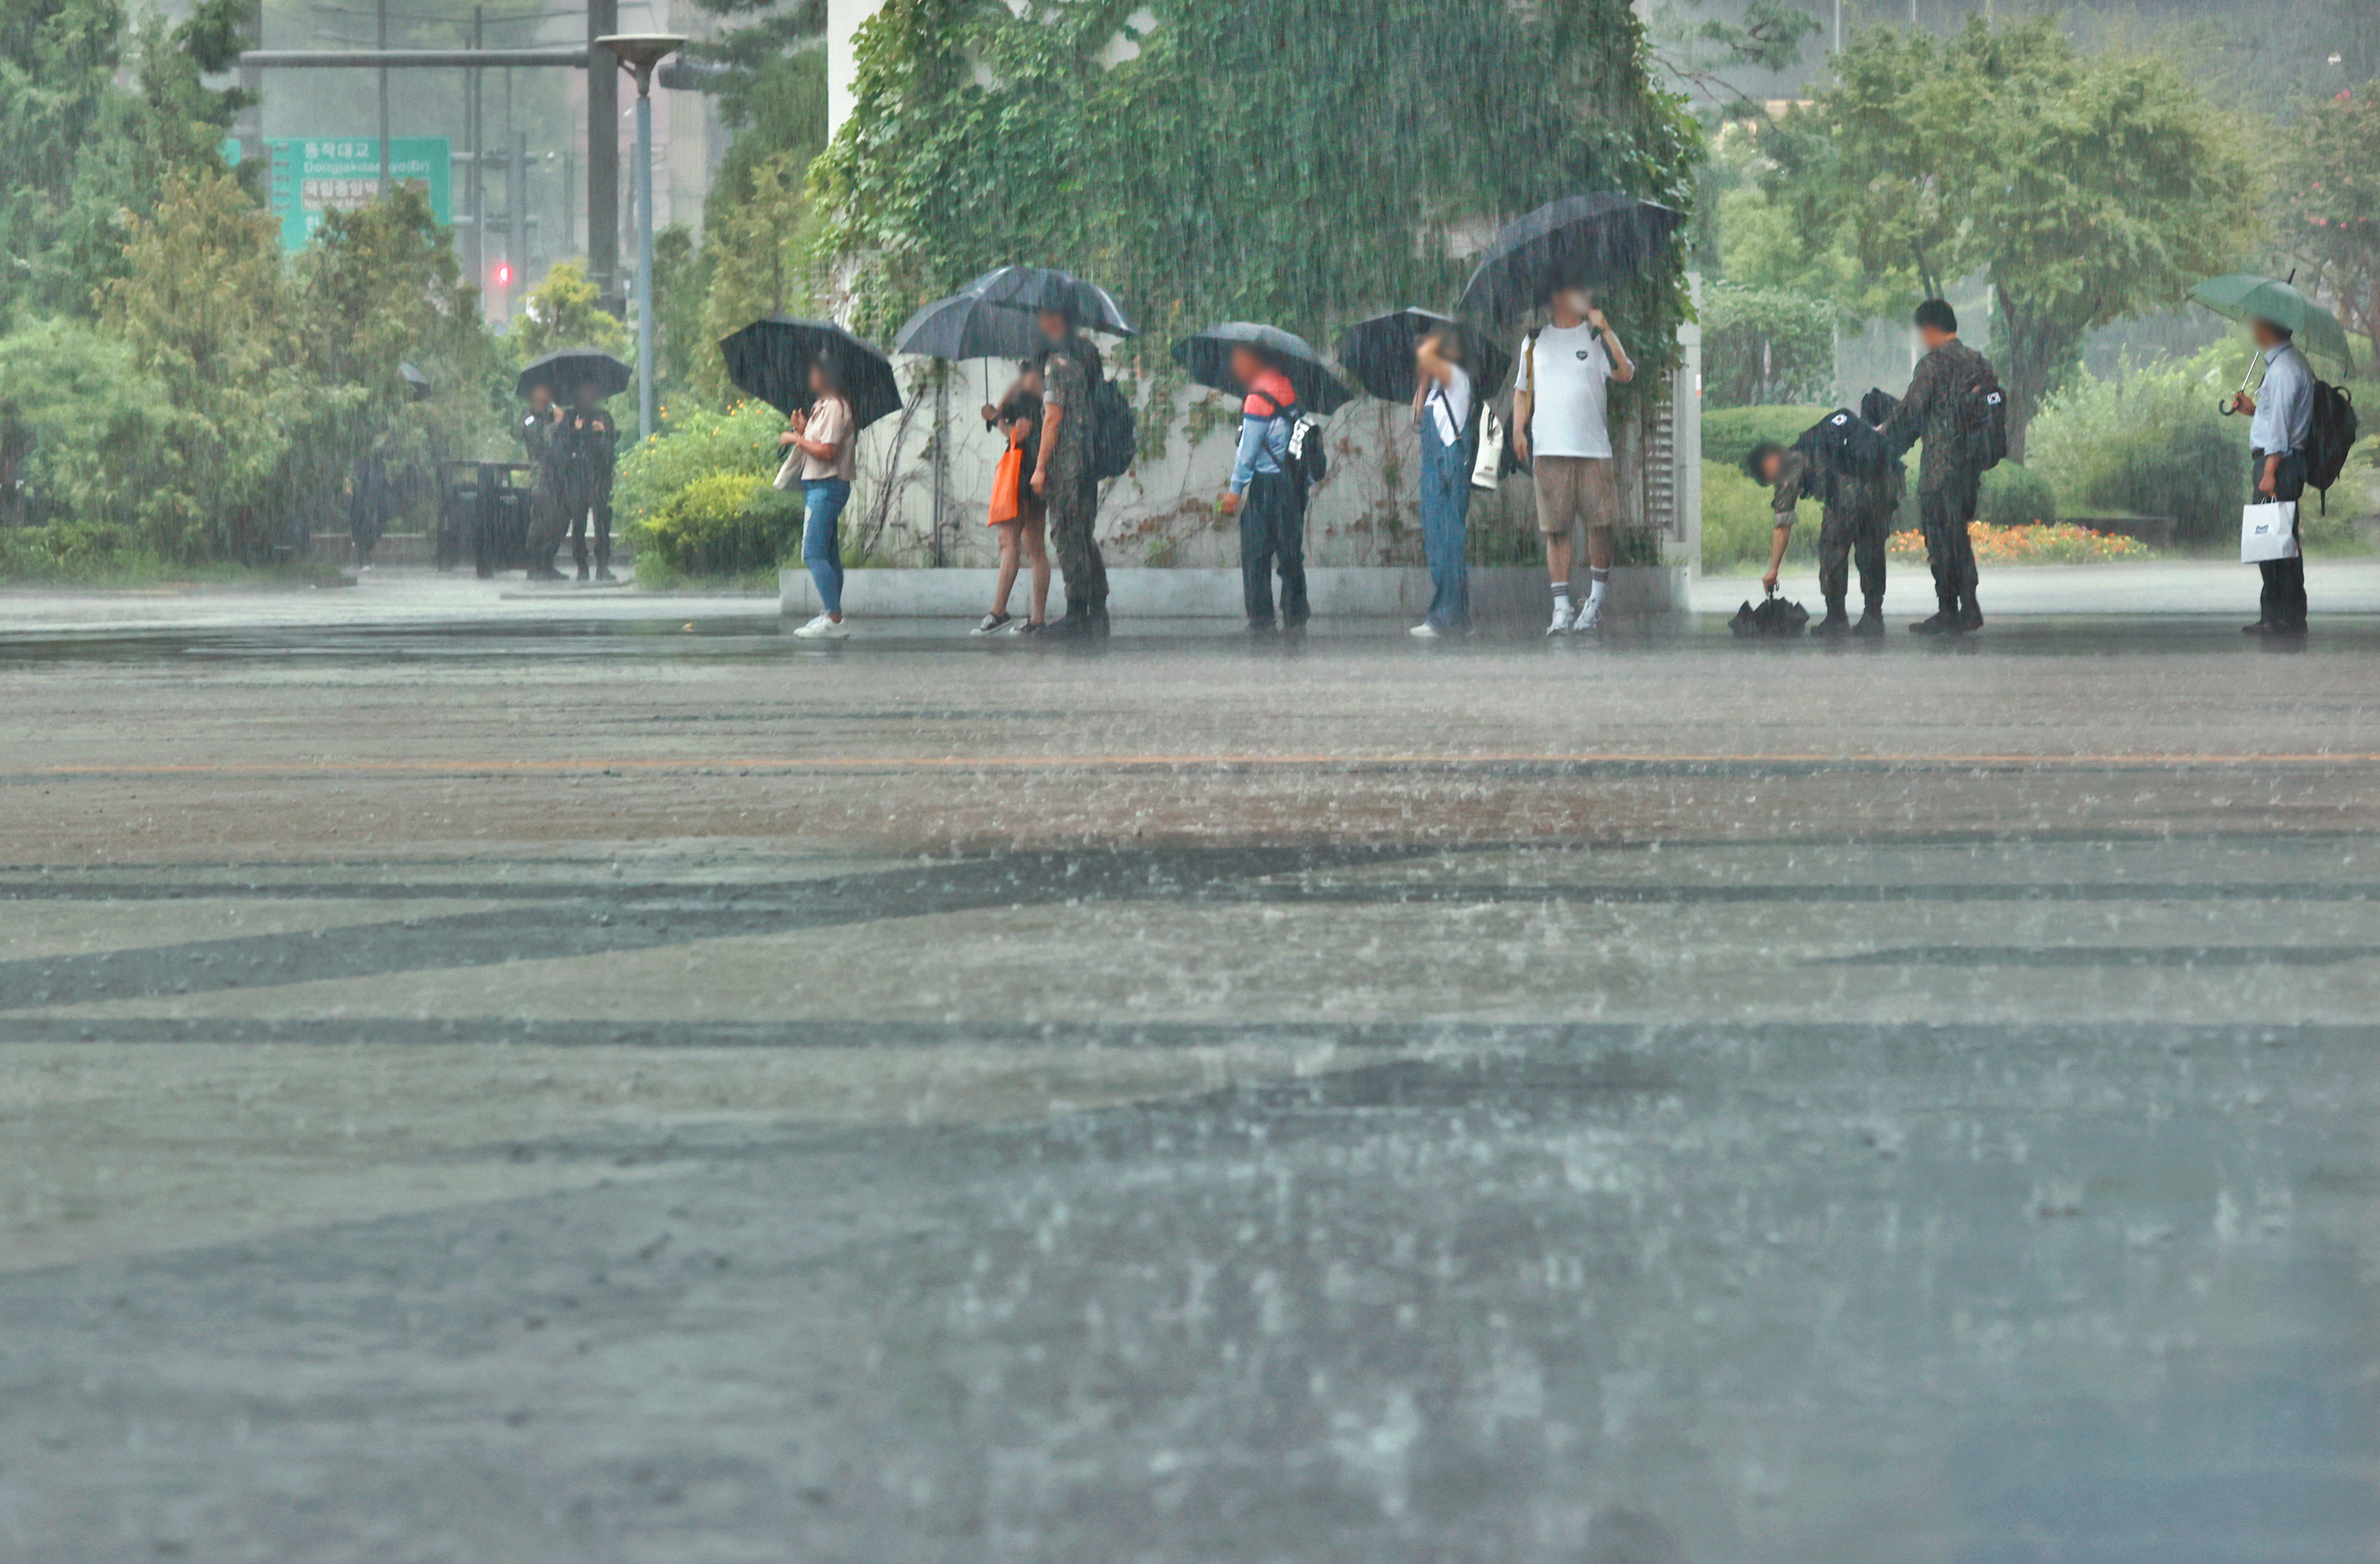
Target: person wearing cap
2279, 429
1062, 474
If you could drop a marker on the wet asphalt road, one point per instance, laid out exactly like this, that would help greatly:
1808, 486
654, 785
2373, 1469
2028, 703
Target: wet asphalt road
655, 1091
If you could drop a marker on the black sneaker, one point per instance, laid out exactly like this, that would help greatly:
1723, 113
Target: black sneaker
603, 573
545, 573
1944, 624
1836, 622
1870, 622
1027, 627
2261, 627
993, 623
582, 571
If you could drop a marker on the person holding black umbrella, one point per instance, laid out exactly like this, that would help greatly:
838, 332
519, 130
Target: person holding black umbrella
541, 436
821, 456
1559, 425
1064, 474
590, 456
1265, 494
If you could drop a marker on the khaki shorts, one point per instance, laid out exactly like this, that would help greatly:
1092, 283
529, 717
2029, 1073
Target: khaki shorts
1575, 490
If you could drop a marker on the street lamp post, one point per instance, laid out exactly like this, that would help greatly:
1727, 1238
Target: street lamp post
640, 52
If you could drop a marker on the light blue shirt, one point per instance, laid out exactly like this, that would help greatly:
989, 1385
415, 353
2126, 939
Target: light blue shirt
1264, 446
2284, 418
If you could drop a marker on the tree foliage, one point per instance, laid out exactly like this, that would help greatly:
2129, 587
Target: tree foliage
2087, 190
95, 116
2329, 217
1765, 346
1302, 162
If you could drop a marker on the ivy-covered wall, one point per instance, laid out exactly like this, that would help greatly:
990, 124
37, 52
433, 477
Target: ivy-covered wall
1301, 162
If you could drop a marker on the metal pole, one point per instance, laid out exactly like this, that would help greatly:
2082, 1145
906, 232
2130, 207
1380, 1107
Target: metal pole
383, 104
516, 211
569, 203
1839, 26
603, 149
477, 124
644, 257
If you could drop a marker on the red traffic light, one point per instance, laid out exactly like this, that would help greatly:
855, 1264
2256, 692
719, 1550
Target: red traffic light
504, 273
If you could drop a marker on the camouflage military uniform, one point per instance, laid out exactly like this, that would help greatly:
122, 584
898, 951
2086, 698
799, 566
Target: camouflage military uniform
1857, 521
1946, 483
1069, 372
542, 442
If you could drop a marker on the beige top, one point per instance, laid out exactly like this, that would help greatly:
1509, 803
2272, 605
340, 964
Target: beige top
831, 425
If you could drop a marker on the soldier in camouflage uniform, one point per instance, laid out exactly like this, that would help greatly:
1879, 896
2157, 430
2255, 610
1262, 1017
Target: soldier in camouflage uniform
1948, 482
1070, 373
1857, 519
541, 434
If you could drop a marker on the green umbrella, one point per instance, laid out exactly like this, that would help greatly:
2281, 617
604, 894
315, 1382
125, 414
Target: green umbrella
2244, 295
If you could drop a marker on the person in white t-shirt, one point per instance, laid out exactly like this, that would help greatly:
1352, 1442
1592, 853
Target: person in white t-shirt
1560, 395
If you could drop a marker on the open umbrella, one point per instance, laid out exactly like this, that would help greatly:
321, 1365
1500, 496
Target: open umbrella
1207, 356
566, 369
2244, 295
771, 358
1593, 240
1379, 354
996, 315
416, 384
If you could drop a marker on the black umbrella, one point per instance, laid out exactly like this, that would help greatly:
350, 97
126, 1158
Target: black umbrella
1207, 356
994, 316
1593, 241
566, 369
1379, 354
771, 361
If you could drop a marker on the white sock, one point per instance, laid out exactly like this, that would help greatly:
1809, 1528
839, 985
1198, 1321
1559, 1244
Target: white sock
1562, 597
1596, 581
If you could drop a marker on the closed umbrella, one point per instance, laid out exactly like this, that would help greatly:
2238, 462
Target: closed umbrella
564, 369
771, 359
1379, 354
1207, 357
1593, 241
2244, 295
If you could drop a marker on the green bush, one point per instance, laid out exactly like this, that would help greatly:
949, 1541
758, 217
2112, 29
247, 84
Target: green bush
696, 444
1730, 433
2011, 496
74, 550
726, 524
2148, 442
1737, 523
1797, 331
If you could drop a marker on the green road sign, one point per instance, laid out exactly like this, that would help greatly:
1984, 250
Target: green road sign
312, 174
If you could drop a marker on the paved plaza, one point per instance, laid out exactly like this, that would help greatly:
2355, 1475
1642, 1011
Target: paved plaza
575, 1078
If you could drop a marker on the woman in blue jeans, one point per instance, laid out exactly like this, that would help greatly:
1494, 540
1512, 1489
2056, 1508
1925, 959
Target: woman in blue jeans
1442, 407
821, 457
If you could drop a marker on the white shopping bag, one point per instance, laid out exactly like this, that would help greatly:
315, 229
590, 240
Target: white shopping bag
1489, 467
2268, 532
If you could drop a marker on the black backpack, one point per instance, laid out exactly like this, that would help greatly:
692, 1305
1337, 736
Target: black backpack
1307, 461
1845, 444
1980, 417
1115, 433
2331, 438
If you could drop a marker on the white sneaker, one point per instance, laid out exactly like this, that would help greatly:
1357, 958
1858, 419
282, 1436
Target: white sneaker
1424, 632
1561, 622
824, 628
1590, 618
993, 623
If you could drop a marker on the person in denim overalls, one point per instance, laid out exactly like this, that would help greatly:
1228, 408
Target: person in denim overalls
1443, 405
